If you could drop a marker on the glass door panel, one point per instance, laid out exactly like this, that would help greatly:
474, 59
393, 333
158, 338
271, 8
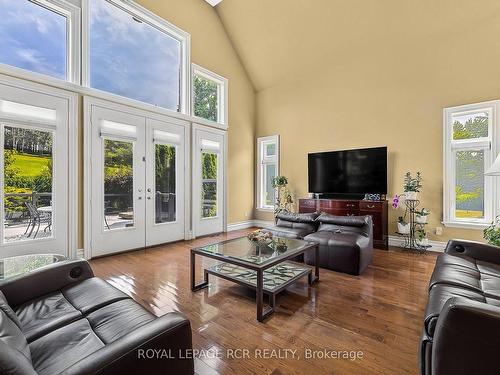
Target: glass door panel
118, 184
165, 183
209, 168
27, 183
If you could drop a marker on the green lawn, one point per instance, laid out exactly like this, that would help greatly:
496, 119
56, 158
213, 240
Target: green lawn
30, 165
464, 214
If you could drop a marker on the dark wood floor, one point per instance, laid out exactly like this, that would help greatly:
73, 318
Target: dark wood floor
378, 313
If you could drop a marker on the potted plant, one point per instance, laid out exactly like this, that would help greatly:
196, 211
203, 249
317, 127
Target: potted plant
403, 226
492, 233
412, 185
284, 199
422, 239
421, 216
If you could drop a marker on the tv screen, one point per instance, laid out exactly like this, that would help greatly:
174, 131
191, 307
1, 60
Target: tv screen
359, 171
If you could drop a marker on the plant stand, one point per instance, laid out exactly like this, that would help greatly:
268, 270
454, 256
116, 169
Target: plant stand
410, 239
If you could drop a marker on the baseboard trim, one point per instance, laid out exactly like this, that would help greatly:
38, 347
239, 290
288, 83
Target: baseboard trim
437, 246
249, 224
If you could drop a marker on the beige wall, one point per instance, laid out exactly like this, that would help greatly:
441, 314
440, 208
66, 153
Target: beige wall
384, 95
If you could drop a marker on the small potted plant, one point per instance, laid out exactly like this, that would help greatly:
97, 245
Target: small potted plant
422, 239
412, 185
403, 226
492, 233
421, 216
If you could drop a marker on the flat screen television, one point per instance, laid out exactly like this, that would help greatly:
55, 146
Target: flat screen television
349, 172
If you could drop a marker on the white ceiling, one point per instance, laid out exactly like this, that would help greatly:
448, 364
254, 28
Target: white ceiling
213, 2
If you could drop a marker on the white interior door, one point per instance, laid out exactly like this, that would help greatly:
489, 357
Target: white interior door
208, 182
117, 181
165, 190
34, 166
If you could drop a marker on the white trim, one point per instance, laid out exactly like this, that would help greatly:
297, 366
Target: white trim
249, 224
222, 94
73, 185
265, 160
488, 145
437, 246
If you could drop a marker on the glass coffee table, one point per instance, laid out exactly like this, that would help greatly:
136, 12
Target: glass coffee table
22, 264
265, 267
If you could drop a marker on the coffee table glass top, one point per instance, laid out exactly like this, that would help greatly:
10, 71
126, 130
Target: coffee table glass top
256, 253
19, 265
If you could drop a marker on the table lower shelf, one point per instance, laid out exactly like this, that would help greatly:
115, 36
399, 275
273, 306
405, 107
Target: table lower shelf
276, 278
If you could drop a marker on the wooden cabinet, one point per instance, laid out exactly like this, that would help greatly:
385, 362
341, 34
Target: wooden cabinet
345, 207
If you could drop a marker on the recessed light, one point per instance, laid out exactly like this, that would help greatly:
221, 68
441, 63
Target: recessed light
213, 2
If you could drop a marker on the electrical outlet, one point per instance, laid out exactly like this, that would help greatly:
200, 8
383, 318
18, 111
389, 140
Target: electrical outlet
439, 231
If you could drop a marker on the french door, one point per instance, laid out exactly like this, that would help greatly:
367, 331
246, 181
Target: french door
137, 169
34, 163
208, 181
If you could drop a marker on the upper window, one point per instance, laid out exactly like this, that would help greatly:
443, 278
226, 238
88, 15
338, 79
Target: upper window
209, 95
267, 169
35, 35
132, 57
469, 141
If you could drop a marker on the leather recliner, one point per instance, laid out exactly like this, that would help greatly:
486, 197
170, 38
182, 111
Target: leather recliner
461, 333
62, 319
345, 242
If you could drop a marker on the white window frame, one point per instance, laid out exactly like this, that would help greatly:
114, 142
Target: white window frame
262, 162
488, 145
71, 10
155, 21
222, 94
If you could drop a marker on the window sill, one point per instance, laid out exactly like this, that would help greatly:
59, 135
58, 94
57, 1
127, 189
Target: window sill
465, 225
264, 209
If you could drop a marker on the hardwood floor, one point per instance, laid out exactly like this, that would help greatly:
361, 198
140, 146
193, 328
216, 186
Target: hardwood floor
378, 313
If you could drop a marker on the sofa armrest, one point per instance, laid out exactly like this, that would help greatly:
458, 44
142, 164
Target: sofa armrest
164, 346
45, 280
473, 249
467, 338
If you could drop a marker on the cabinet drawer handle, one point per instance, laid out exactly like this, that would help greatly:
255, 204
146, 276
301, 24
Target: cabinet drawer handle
370, 205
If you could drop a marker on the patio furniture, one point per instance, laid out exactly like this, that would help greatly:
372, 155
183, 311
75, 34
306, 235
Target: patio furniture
37, 217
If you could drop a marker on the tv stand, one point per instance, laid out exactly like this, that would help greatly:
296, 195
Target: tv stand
341, 196
354, 207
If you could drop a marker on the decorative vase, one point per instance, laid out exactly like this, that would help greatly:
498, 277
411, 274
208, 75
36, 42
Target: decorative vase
421, 219
403, 228
411, 195
422, 242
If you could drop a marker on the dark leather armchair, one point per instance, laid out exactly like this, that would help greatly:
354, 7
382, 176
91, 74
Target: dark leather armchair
461, 332
61, 319
291, 225
345, 243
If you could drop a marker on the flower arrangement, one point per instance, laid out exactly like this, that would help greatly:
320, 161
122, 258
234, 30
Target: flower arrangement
284, 199
421, 216
411, 183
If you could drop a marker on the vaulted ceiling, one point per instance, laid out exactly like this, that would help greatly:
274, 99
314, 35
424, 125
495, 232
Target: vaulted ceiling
278, 40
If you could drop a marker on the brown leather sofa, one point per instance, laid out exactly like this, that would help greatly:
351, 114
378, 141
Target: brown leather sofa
461, 334
345, 242
61, 319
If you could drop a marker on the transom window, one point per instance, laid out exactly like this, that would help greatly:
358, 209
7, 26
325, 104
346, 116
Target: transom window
36, 35
267, 169
209, 95
469, 145
131, 57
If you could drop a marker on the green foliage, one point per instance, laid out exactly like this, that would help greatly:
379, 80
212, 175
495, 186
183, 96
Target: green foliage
205, 98
209, 166
16, 203
279, 181
412, 183
472, 128
461, 196
423, 212
492, 233
209, 188
165, 168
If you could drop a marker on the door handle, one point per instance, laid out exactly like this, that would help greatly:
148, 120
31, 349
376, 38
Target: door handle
139, 198
149, 197
149, 190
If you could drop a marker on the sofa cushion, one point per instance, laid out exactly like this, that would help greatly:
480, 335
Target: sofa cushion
64, 347
5, 307
11, 335
92, 294
45, 314
438, 295
14, 362
114, 321
350, 221
297, 218
288, 232
458, 271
